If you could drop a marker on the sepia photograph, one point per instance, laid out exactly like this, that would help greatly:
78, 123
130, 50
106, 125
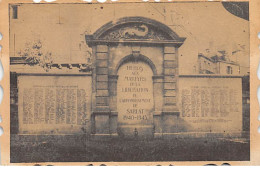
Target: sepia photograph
129, 82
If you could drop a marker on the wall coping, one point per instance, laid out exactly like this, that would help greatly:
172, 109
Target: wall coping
211, 76
52, 74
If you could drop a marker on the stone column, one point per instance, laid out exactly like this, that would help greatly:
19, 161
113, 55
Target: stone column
101, 112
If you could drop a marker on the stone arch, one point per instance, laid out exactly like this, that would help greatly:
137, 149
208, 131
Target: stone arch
141, 39
132, 58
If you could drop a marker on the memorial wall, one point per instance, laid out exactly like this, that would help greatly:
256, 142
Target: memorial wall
54, 104
211, 104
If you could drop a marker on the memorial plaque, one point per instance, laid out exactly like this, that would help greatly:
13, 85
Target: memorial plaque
211, 104
49, 104
135, 97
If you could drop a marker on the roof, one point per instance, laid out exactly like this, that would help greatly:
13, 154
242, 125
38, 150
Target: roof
217, 58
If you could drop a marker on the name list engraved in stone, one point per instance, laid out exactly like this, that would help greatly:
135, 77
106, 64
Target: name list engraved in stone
54, 105
209, 102
81, 106
50, 105
28, 106
38, 106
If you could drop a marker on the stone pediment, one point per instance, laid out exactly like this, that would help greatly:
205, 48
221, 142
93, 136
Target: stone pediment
134, 29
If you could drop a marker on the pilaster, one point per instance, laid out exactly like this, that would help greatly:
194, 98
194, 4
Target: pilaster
170, 67
102, 111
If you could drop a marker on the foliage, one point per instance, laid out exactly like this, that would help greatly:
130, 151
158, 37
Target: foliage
35, 55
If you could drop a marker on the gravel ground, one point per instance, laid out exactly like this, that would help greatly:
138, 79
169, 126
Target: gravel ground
78, 150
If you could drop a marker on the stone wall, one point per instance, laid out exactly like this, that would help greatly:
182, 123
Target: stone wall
210, 104
54, 104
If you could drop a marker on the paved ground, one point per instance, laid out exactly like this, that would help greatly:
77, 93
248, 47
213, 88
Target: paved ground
131, 150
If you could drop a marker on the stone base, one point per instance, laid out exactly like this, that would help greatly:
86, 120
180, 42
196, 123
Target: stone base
103, 136
197, 135
147, 134
136, 131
